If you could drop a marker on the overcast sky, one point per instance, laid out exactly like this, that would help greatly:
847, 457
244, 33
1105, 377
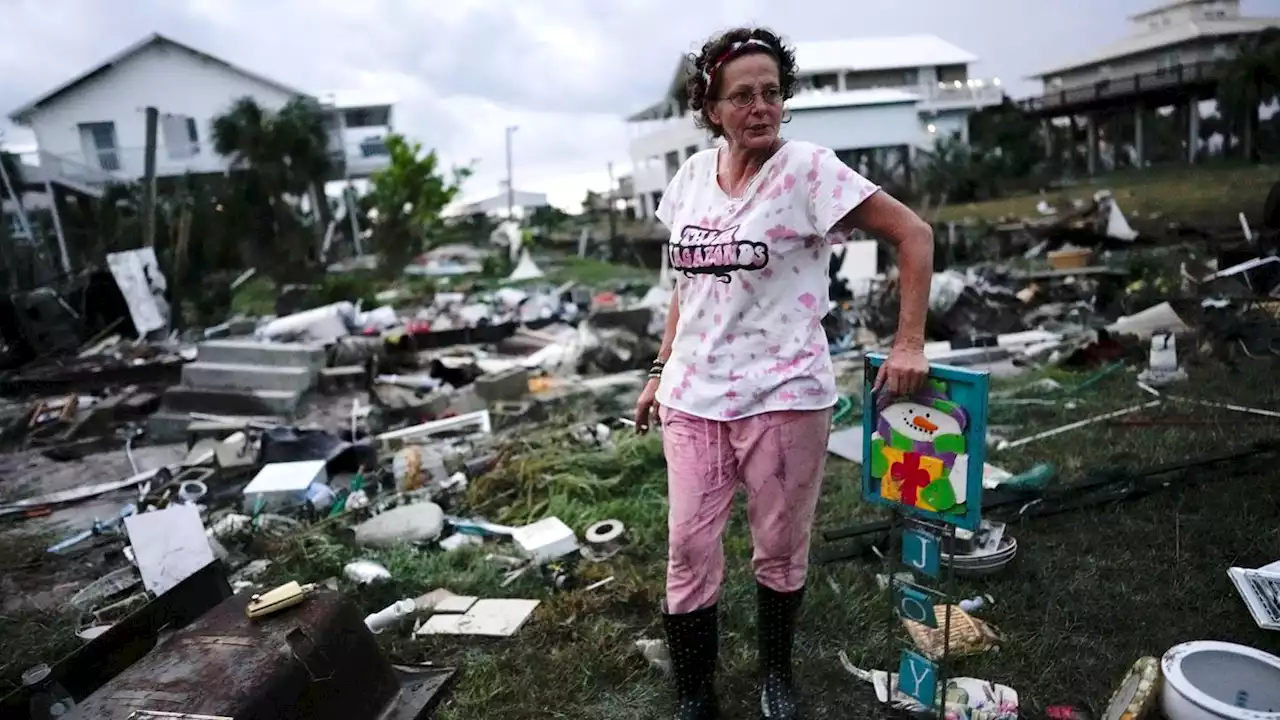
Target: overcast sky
564, 71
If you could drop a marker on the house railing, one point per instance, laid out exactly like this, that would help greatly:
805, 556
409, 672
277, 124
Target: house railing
1200, 73
62, 168
975, 91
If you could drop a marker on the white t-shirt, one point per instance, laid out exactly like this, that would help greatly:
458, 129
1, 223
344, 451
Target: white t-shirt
752, 278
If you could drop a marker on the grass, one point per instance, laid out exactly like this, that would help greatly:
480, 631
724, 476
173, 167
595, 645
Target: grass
33, 629
1091, 591
1209, 195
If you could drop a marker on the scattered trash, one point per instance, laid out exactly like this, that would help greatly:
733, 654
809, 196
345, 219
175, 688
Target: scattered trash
365, 572
1210, 679
1260, 590
1138, 692
169, 546
495, 618
414, 523
390, 615
965, 697
968, 635
49, 700
278, 599
545, 540
655, 652
987, 551
603, 540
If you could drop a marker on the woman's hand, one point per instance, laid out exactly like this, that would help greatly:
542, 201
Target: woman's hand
647, 406
904, 372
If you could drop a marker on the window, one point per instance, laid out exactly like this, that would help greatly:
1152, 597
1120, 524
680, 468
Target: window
881, 79
366, 117
952, 74
98, 141
826, 81
374, 147
15, 226
180, 136
1168, 62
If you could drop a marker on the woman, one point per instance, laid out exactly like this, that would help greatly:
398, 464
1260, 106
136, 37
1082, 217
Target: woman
744, 380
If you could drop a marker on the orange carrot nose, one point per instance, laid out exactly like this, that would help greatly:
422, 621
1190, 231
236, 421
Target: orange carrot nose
922, 422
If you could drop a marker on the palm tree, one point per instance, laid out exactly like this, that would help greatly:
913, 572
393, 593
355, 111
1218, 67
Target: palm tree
279, 157
1250, 79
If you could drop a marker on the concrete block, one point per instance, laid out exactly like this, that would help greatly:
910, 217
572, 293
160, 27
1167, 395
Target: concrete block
510, 385
224, 401
178, 427
202, 374
252, 352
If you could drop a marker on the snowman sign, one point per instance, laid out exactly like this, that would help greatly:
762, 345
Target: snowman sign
924, 454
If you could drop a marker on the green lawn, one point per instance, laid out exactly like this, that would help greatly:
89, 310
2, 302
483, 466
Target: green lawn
1210, 195
1091, 591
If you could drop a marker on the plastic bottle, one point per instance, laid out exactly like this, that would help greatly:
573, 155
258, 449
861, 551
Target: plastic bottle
49, 700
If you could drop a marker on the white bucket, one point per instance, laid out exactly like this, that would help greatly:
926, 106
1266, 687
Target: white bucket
1206, 680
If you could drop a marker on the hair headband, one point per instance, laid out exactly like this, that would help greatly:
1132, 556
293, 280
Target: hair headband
733, 51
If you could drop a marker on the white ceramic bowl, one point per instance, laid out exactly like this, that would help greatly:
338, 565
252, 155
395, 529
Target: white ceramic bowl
1206, 680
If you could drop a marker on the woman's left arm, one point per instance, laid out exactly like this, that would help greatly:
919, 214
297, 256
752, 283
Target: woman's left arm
883, 217
840, 201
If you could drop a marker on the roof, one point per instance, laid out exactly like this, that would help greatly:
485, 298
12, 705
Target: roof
879, 53
1168, 6
1167, 37
521, 198
350, 99
851, 98
154, 39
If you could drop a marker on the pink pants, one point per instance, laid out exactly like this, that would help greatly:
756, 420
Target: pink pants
778, 458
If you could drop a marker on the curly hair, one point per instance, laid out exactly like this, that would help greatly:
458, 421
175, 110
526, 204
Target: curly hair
701, 95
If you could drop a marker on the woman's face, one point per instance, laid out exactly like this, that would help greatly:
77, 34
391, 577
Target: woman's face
749, 104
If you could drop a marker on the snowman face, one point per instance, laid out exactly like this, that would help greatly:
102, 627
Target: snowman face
922, 423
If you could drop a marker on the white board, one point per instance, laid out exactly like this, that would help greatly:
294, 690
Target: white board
137, 274
169, 546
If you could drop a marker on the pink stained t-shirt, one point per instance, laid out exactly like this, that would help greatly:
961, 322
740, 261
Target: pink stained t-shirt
752, 278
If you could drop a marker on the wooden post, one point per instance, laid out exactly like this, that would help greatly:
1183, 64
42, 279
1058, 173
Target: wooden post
149, 181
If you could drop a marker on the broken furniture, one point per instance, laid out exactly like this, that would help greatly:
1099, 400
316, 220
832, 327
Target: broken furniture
313, 661
124, 643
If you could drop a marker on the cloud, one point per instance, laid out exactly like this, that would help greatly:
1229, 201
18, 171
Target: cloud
565, 71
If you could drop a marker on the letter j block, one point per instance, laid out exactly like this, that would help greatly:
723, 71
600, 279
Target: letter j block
921, 551
918, 677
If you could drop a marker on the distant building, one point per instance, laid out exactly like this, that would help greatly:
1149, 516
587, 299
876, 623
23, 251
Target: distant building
873, 94
1170, 57
92, 129
521, 202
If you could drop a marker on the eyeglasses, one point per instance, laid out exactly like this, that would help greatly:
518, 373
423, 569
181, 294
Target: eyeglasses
744, 98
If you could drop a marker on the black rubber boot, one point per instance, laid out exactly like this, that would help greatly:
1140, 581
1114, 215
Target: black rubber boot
694, 640
776, 627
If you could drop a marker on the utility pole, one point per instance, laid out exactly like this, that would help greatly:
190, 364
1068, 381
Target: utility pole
613, 220
149, 181
511, 186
